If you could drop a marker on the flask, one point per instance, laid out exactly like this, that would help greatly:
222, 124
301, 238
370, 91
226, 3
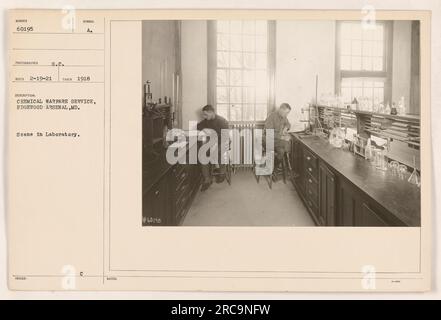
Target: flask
381, 108
387, 109
368, 150
401, 106
393, 110
354, 104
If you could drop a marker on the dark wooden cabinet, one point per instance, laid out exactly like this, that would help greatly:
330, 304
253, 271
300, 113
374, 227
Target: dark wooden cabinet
315, 184
327, 193
358, 210
169, 199
349, 204
185, 180
297, 164
156, 209
331, 199
370, 218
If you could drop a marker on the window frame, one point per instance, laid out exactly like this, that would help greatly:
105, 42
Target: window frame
212, 67
387, 60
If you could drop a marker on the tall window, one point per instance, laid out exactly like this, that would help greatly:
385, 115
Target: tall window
241, 69
362, 54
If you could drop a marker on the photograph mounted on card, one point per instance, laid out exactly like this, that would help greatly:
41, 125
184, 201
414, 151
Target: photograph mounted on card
251, 150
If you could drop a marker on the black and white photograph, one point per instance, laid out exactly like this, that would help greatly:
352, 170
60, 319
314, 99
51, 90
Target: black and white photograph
294, 123
221, 151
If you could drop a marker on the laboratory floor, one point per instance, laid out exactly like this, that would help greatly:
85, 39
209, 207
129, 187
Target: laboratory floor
248, 203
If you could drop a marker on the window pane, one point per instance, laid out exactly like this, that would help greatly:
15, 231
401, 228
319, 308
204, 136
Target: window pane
241, 75
249, 60
346, 47
346, 95
261, 81
368, 33
357, 83
248, 43
346, 82
368, 92
367, 63
236, 112
236, 27
223, 42
249, 78
379, 84
261, 60
249, 27
235, 77
378, 64
222, 110
261, 87
378, 95
357, 93
367, 48
261, 27
368, 83
223, 26
236, 95
361, 49
236, 59
262, 95
378, 32
221, 95
371, 90
356, 48
345, 62
222, 59
377, 48
346, 30
222, 77
248, 112
356, 63
356, 31
261, 44
236, 42
248, 95
261, 110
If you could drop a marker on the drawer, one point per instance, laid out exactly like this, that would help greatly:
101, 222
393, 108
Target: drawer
183, 190
312, 194
178, 170
180, 205
311, 171
313, 207
310, 159
154, 205
311, 181
182, 180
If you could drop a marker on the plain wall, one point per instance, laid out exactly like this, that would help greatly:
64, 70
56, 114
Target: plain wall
304, 49
158, 56
401, 61
194, 56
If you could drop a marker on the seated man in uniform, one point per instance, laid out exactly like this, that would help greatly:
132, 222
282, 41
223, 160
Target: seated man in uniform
214, 122
278, 121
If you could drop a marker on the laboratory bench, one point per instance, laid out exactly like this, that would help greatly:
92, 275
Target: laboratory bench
168, 191
340, 188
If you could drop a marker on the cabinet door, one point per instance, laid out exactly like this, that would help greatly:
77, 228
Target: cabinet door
327, 184
186, 187
369, 218
294, 157
298, 173
348, 204
155, 206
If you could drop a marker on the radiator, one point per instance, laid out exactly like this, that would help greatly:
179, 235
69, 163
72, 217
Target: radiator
242, 147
